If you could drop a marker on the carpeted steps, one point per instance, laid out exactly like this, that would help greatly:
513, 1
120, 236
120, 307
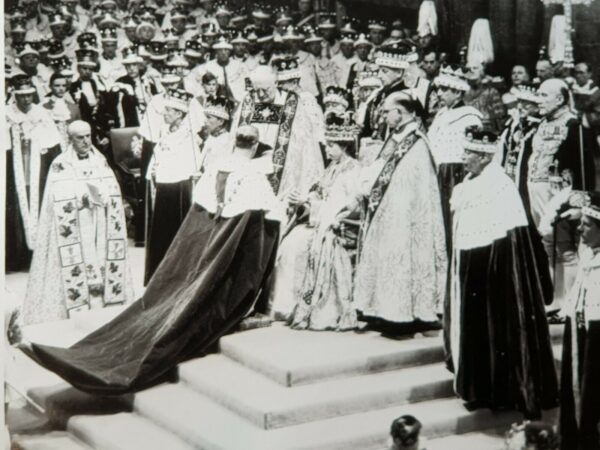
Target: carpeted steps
279, 389
56, 440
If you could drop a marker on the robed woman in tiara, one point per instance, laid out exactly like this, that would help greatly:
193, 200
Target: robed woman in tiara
313, 286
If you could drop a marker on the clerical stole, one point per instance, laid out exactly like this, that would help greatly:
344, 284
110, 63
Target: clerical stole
27, 173
281, 115
383, 179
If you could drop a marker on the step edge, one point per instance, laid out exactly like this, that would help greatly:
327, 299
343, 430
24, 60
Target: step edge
270, 415
298, 376
449, 423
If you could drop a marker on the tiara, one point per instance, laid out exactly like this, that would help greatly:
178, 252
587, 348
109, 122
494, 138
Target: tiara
341, 129
526, 93
178, 99
218, 108
108, 34
477, 140
362, 40
377, 25
287, 68
193, 48
169, 75
453, 78
396, 56
368, 78
176, 59
336, 94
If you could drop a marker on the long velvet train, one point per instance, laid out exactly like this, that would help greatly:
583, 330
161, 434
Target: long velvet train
208, 281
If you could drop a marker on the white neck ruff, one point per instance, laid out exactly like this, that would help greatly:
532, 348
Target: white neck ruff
485, 209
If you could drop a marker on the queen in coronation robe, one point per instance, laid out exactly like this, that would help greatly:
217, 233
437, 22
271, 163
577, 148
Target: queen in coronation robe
213, 275
80, 259
501, 348
401, 272
580, 391
33, 141
313, 277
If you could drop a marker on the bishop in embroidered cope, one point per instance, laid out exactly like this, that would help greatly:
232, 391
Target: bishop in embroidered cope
401, 273
80, 258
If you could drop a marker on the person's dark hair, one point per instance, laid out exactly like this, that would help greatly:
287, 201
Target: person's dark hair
429, 50
208, 77
406, 429
245, 140
541, 435
57, 76
523, 66
411, 105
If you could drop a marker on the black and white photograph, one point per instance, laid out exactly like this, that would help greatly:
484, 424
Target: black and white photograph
300, 225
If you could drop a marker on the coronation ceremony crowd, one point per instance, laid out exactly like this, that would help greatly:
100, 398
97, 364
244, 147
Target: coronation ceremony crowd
322, 171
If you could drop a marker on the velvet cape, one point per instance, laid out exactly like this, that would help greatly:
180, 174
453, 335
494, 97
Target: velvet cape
210, 278
505, 359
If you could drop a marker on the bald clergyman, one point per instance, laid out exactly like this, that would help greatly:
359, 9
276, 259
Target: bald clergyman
80, 260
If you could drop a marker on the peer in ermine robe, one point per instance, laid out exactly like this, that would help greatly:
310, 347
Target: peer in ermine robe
152, 128
501, 348
33, 142
80, 258
399, 72
217, 140
580, 391
446, 135
175, 158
